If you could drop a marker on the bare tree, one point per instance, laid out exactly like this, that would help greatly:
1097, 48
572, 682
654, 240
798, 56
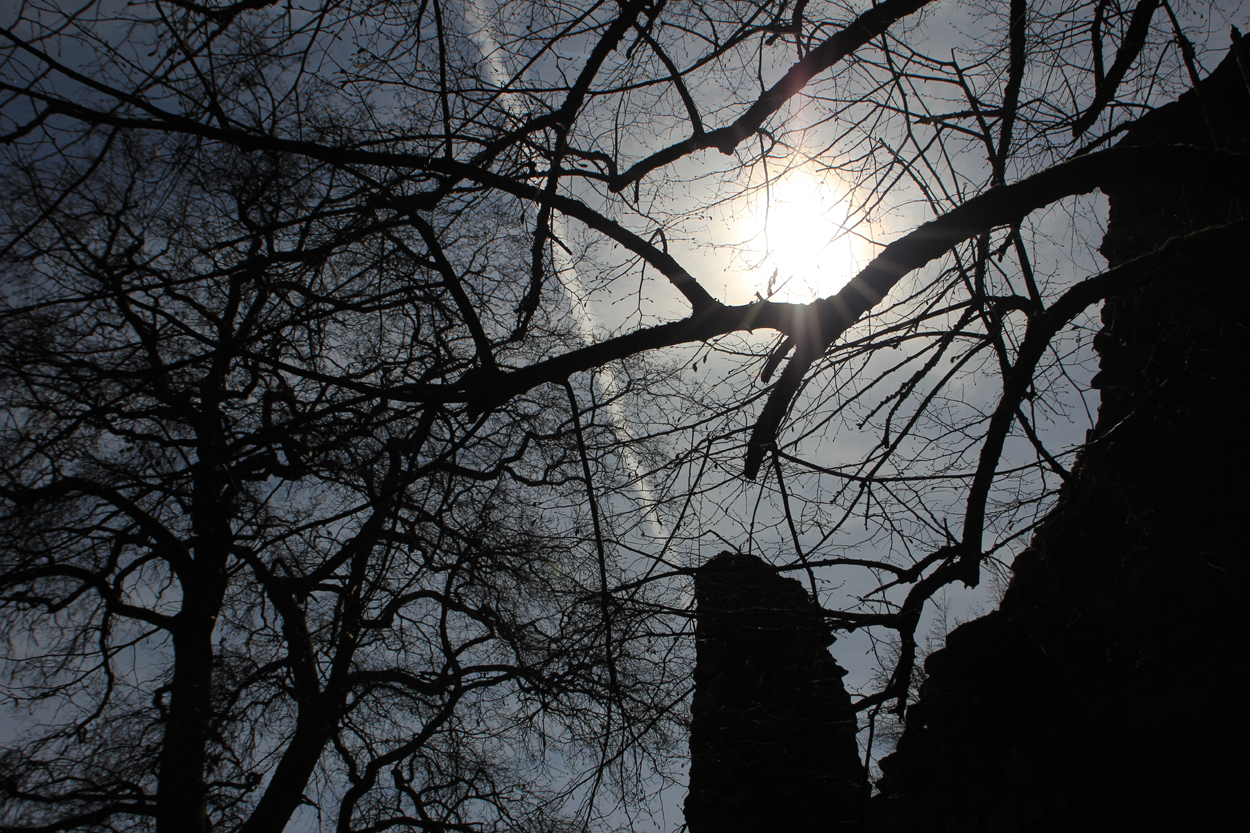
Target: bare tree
354, 463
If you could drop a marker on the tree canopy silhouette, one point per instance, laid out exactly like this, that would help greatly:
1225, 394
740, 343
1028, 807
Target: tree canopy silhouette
355, 453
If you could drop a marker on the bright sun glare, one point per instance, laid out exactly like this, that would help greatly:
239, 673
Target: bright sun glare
796, 245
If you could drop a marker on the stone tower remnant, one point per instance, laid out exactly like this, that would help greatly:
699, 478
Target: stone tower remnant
772, 737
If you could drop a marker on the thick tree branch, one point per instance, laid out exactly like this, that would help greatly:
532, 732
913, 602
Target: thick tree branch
1004, 205
1011, 93
862, 30
1130, 48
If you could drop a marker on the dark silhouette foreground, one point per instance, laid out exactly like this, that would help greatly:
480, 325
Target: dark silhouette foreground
1106, 691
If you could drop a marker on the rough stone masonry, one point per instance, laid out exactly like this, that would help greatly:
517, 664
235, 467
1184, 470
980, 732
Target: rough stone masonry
772, 740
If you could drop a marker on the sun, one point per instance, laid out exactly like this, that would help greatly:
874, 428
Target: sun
796, 242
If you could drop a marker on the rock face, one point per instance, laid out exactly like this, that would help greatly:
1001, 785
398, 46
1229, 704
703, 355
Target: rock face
772, 740
1108, 692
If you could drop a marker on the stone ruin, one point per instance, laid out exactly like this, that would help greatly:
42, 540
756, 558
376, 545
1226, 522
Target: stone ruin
772, 738
1108, 691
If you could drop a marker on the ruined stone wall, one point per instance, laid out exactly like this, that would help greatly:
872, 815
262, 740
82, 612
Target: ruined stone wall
772, 739
1109, 690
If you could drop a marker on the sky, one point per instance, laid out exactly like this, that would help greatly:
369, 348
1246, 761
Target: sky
794, 241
